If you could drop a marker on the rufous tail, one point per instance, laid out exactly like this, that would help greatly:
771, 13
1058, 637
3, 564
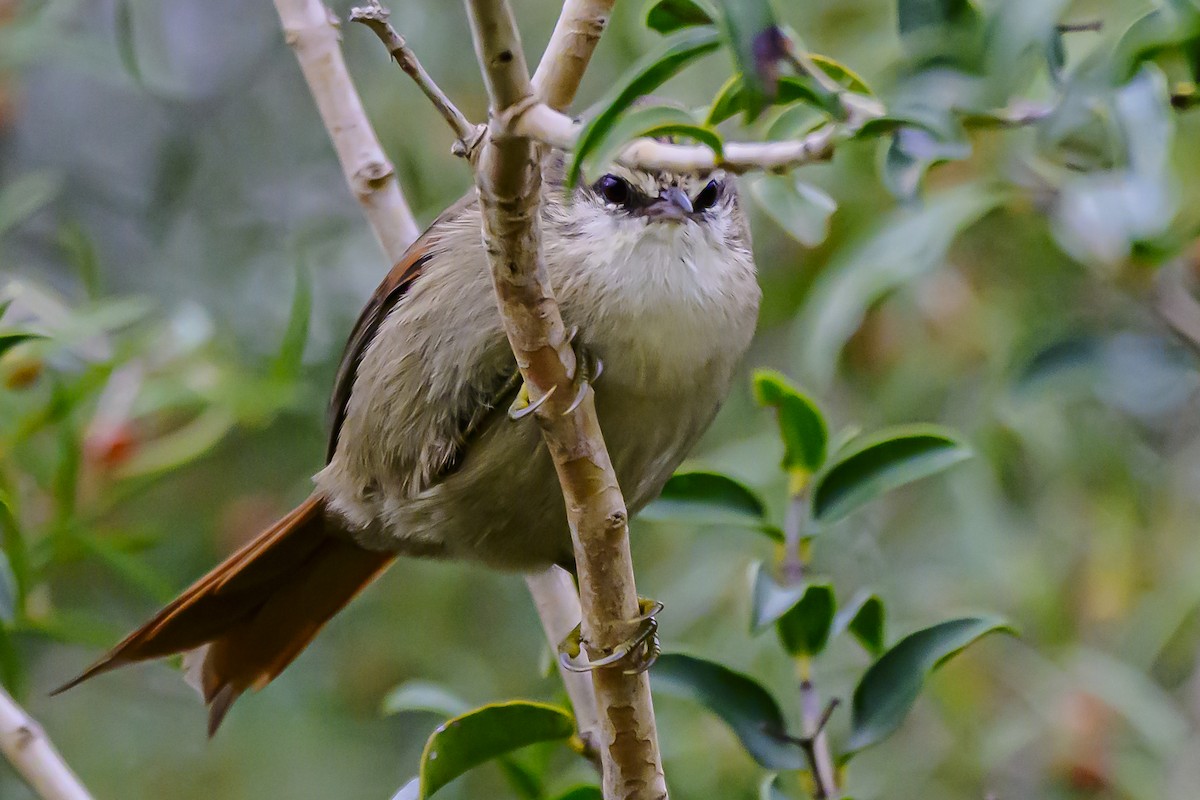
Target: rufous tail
254, 613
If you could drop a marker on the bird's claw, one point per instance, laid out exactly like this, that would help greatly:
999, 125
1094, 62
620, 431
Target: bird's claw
588, 369
640, 650
522, 407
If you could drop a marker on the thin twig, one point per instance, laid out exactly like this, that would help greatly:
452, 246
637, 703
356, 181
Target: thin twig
557, 603
311, 30
509, 184
1094, 26
30, 751
375, 17
551, 127
817, 751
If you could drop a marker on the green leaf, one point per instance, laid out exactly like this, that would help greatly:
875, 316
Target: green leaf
8, 591
733, 97
4, 304
804, 629
798, 207
758, 45
409, 791
650, 73
10, 340
12, 668
917, 15
769, 599
864, 618
884, 461
23, 197
126, 34
889, 688
801, 424
1170, 27
15, 554
581, 793
912, 152
423, 696
132, 570
652, 121
479, 736
288, 361
710, 498
739, 700
668, 16
902, 246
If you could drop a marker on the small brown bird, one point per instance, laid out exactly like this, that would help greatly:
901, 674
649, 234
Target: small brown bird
655, 273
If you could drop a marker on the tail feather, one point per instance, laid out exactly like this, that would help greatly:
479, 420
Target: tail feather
253, 614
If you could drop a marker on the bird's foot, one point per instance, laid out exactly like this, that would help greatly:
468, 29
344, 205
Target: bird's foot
639, 652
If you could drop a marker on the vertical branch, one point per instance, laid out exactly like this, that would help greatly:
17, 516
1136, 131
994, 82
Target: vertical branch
311, 30
509, 185
26, 746
553, 592
570, 50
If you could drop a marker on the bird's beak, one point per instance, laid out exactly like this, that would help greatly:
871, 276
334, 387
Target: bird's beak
671, 204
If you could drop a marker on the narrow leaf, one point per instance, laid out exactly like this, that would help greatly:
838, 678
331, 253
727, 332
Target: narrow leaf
668, 16
885, 461
758, 46
288, 361
864, 618
479, 736
423, 696
804, 629
10, 340
739, 700
23, 197
650, 73
902, 246
581, 793
800, 208
769, 599
889, 688
916, 15
801, 424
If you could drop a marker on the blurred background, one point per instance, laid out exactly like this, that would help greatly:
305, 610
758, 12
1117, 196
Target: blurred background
171, 213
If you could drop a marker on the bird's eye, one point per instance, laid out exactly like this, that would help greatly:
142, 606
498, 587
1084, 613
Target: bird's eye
707, 197
614, 190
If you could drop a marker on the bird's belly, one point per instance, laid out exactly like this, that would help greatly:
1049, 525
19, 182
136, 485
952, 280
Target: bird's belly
503, 505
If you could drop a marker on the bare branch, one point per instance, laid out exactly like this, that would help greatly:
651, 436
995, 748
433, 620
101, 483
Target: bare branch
546, 125
570, 50
27, 748
375, 17
311, 30
553, 592
509, 184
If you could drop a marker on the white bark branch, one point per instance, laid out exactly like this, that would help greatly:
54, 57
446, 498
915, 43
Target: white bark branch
27, 747
311, 30
570, 50
553, 592
544, 124
509, 184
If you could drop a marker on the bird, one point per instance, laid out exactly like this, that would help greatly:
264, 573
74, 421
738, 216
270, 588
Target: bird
428, 455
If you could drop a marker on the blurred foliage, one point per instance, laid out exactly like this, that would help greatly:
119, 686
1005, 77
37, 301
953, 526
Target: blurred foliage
988, 256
